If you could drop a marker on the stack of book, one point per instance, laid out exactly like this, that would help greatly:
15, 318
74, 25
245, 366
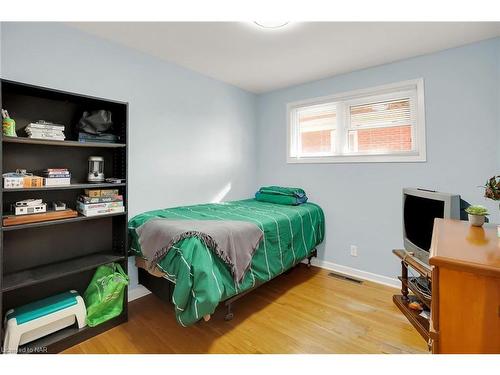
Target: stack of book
98, 138
100, 202
56, 177
45, 130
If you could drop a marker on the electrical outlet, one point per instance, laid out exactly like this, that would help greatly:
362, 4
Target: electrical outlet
354, 251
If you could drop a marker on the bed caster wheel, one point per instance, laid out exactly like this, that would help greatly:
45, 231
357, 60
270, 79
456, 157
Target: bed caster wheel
309, 265
228, 317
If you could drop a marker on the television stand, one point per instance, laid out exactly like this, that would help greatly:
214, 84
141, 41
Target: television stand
409, 284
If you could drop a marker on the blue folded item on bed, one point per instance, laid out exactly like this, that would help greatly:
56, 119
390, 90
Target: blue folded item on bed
280, 199
280, 190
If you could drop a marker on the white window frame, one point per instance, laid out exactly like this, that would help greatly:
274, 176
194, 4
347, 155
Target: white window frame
413, 89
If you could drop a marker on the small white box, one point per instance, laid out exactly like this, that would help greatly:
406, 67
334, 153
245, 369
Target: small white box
13, 180
58, 206
26, 210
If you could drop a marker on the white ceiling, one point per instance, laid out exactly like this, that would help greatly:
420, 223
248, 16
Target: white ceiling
260, 60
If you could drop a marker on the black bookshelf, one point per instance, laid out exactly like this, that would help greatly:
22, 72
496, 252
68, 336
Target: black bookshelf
44, 258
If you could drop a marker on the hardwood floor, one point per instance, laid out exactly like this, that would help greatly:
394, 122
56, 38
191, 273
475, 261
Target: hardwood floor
304, 311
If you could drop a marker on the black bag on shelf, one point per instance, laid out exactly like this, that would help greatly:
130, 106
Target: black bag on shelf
95, 122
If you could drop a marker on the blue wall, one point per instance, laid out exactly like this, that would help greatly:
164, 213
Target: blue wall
362, 202
191, 137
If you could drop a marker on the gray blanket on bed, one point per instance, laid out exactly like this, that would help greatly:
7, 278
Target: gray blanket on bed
233, 241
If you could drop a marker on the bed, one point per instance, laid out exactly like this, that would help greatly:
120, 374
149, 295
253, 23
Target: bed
201, 279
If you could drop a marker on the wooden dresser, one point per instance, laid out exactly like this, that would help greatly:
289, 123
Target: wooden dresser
465, 311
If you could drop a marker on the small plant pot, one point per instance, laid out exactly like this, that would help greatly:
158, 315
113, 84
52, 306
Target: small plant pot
476, 220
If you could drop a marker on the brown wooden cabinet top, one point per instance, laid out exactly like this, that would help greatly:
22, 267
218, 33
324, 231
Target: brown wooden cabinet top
459, 245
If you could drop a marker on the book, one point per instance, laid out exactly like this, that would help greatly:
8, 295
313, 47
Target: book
47, 138
97, 206
62, 172
109, 192
104, 137
57, 175
85, 199
32, 181
45, 135
96, 193
56, 181
59, 170
101, 211
45, 126
44, 131
95, 141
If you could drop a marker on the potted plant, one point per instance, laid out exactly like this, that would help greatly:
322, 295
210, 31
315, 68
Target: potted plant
477, 214
492, 188
492, 191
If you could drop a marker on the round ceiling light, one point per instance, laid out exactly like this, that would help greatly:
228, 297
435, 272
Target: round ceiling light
271, 24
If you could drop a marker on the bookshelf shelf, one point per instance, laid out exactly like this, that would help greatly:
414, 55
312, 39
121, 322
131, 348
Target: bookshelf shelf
60, 221
49, 257
76, 185
66, 143
70, 336
53, 271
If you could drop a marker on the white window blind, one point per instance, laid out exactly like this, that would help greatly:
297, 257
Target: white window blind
381, 114
381, 126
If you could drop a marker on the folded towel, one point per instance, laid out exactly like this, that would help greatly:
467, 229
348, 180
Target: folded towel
280, 199
279, 190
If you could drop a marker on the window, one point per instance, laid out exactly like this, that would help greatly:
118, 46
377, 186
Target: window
316, 129
382, 124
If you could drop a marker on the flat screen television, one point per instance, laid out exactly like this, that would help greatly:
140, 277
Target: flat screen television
420, 208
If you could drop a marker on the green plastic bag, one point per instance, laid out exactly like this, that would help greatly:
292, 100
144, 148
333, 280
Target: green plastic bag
105, 293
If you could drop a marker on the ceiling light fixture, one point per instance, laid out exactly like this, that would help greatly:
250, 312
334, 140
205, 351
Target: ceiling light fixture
271, 24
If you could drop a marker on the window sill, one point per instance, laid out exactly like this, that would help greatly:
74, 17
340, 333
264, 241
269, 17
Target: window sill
394, 158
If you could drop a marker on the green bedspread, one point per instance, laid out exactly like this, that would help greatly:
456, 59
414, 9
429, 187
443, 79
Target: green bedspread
202, 280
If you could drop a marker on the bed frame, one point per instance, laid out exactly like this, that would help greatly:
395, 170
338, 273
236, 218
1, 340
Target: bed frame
162, 288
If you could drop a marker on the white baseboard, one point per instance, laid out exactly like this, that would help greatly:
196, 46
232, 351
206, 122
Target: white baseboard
364, 275
137, 292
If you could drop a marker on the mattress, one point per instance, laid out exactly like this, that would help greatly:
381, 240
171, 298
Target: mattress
202, 280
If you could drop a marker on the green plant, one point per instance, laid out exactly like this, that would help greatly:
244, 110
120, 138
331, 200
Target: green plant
492, 188
476, 210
